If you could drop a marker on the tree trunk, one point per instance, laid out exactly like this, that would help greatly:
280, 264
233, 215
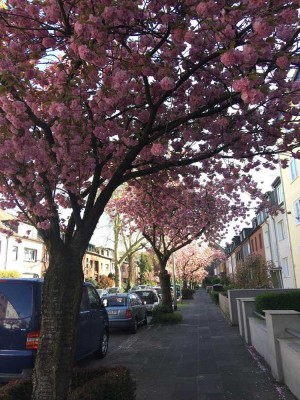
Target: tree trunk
164, 278
63, 285
118, 279
131, 274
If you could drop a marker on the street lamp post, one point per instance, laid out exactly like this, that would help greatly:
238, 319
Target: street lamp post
174, 284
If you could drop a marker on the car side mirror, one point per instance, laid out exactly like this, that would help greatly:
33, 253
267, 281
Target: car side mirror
144, 302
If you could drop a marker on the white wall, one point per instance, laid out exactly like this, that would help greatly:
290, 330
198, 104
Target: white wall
277, 247
20, 253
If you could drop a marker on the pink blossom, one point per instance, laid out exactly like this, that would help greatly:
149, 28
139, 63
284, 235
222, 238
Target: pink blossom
241, 85
249, 56
283, 62
84, 52
223, 122
157, 149
289, 15
252, 96
229, 58
167, 83
49, 42
262, 28
206, 9
44, 225
256, 3
78, 28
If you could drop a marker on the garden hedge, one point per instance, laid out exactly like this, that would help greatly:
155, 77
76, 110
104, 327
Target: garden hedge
278, 301
187, 294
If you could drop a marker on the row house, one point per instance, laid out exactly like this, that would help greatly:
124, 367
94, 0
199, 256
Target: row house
268, 237
290, 178
21, 249
98, 261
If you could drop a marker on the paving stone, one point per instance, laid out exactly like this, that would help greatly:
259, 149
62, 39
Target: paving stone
204, 358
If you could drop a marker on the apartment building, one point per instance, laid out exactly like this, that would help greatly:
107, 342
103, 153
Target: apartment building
290, 178
21, 249
269, 237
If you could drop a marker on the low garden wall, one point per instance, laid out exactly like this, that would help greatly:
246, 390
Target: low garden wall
233, 294
274, 338
224, 305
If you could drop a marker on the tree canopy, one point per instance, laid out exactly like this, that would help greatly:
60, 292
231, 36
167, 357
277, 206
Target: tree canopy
97, 93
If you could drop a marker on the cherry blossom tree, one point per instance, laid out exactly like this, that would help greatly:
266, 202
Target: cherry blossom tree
191, 260
95, 94
173, 210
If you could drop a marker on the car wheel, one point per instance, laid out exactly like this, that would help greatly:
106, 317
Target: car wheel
134, 326
103, 347
145, 322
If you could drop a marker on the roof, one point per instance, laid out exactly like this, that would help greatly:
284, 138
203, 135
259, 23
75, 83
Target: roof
5, 216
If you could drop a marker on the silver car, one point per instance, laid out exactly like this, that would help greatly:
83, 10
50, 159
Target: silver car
125, 310
149, 297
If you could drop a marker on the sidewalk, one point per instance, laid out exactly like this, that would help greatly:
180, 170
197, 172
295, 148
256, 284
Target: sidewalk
203, 358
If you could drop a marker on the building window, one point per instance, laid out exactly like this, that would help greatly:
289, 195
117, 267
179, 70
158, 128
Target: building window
297, 211
14, 253
285, 268
293, 169
30, 254
281, 231
260, 241
279, 194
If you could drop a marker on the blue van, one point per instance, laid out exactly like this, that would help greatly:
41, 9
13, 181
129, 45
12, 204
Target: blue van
20, 312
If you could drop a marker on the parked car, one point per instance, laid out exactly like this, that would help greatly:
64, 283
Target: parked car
102, 292
134, 288
20, 314
158, 290
149, 297
178, 291
125, 310
113, 290
30, 275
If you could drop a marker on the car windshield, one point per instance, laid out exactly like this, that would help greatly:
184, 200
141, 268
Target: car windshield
115, 301
146, 295
15, 305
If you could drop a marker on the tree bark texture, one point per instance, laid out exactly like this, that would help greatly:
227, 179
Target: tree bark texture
165, 280
63, 285
131, 271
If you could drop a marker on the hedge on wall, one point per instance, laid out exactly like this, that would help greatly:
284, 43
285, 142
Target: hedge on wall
278, 301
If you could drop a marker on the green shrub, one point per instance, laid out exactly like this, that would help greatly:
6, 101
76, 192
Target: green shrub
87, 384
82, 375
278, 301
115, 384
215, 296
161, 309
17, 390
210, 280
187, 294
167, 318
